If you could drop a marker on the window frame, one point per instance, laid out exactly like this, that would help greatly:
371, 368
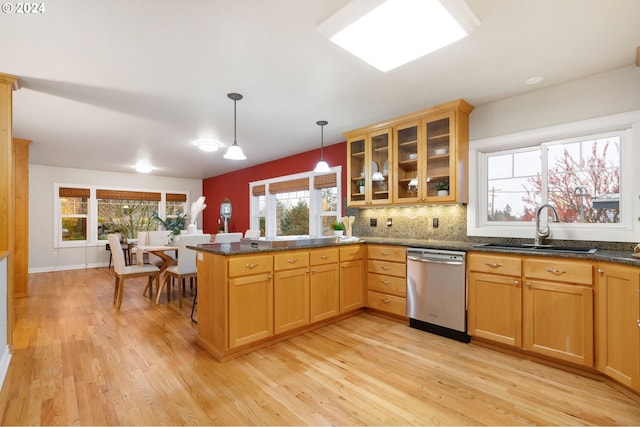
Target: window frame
628, 230
92, 212
315, 202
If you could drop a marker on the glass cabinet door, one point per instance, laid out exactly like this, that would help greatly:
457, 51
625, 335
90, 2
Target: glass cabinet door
356, 184
440, 166
378, 173
407, 163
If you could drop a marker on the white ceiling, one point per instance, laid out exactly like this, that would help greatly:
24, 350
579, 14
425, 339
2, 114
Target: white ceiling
109, 82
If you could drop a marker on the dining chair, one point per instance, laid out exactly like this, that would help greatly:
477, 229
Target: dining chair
123, 271
228, 237
185, 268
251, 234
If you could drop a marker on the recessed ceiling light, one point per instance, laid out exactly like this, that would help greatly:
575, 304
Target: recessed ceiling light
534, 80
144, 167
398, 31
208, 145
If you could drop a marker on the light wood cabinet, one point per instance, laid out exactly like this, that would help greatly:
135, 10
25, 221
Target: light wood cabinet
422, 148
369, 157
387, 279
542, 305
558, 309
618, 323
495, 299
324, 284
351, 278
290, 291
250, 309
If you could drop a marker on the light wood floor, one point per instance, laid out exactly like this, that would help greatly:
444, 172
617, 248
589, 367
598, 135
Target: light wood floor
78, 361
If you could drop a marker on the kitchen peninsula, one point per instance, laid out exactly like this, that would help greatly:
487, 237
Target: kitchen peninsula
249, 298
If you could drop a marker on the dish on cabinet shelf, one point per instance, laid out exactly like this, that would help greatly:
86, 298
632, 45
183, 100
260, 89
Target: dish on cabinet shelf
440, 151
413, 156
385, 167
374, 168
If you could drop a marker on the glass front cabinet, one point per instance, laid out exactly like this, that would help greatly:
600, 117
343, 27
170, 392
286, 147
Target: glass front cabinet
428, 156
369, 157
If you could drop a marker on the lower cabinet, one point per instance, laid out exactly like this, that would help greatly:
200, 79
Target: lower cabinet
387, 279
290, 291
250, 309
618, 321
351, 278
542, 305
324, 284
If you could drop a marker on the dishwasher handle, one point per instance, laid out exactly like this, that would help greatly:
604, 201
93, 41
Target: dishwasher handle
436, 261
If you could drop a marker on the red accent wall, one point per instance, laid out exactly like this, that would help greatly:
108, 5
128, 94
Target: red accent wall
235, 185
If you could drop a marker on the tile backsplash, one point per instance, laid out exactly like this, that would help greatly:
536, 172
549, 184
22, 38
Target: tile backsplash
417, 222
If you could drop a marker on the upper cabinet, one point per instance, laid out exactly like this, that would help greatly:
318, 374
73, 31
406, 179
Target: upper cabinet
369, 157
417, 158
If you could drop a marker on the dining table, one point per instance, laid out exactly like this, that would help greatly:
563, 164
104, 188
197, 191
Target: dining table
160, 251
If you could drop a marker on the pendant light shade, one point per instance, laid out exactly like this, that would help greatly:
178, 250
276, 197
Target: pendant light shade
322, 166
234, 152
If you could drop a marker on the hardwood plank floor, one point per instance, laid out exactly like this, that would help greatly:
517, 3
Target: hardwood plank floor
78, 361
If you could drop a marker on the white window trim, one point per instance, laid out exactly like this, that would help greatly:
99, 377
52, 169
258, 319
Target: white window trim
628, 231
92, 212
315, 221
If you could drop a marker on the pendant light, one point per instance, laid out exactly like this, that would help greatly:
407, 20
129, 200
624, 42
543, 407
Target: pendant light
234, 152
322, 166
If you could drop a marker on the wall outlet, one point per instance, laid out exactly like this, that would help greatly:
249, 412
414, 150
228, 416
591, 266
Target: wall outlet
435, 222
389, 222
54, 254
373, 222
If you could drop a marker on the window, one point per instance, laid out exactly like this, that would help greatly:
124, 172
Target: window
86, 215
589, 179
294, 205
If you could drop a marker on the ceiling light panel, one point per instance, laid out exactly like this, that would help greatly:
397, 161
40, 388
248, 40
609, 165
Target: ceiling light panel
391, 33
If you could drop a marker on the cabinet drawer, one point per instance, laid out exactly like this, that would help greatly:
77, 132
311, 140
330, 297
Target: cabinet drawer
387, 253
323, 256
243, 266
387, 284
389, 303
559, 270
290, 259
347, 253
389, 268
497, 264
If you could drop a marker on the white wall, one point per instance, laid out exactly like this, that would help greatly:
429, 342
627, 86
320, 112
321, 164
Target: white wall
41, 238
616, 91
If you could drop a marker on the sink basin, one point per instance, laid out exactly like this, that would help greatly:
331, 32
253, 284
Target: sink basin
538, 248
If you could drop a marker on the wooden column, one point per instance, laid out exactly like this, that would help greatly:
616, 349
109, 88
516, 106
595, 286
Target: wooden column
7, 85
21, 217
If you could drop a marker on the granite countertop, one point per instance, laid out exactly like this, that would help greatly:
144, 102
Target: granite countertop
620, 257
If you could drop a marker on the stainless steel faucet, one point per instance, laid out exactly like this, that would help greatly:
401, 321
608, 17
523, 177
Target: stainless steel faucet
541, 235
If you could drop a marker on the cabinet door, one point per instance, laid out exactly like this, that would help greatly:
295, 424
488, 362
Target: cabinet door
619, 323
440, 152
378, 182
408, 176
356, 184
495, 308
290, 299
250, 309
558, 320
351, 285
324, 299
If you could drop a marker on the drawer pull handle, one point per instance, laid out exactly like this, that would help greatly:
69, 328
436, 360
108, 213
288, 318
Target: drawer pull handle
556, 271
494, 264
385, 282
385, 253
386, 301
292, 261
251, 266
325, 257
385, 267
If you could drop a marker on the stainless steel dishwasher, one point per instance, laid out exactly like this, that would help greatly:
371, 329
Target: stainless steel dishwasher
437, 292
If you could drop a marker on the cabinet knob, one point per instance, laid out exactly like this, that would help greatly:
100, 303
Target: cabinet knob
600, 271
516, 283
528, 285
638, 323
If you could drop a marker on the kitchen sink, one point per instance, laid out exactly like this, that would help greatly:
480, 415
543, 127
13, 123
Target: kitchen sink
289, 241
538, 248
